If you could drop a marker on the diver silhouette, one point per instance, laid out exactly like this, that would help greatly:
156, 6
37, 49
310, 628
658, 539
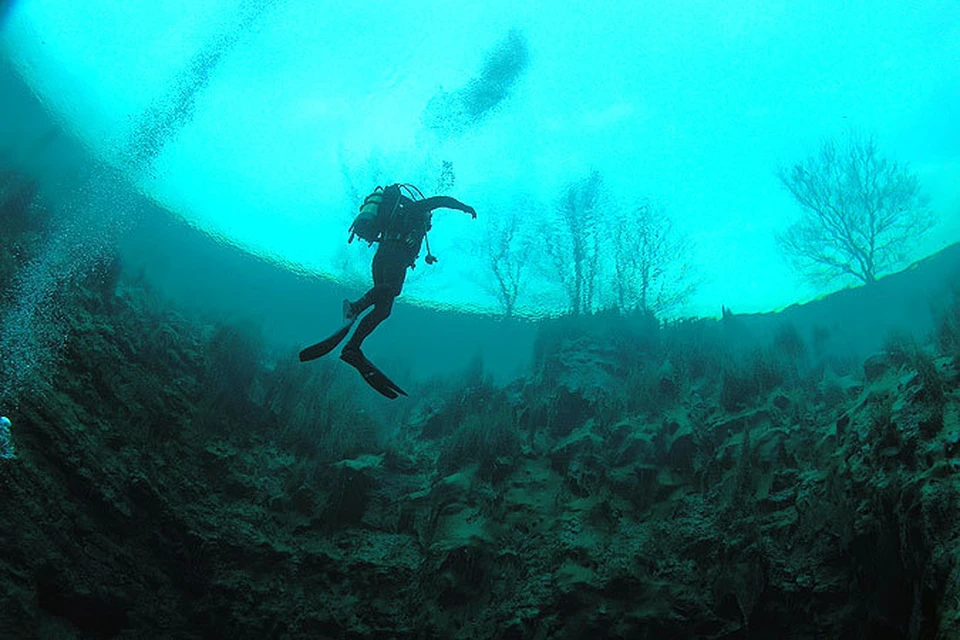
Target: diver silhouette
399, 223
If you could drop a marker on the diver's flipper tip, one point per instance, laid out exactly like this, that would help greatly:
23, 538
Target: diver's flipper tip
324, 347
371, 374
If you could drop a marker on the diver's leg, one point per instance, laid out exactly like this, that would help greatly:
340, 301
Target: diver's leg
388, 283
381, 311
379, 270
370, 298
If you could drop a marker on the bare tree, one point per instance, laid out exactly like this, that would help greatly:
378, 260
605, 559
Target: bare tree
572, 244
862, 213
651, 272
506, 250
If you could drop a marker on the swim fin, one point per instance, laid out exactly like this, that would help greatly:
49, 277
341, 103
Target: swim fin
371, 374
324, 347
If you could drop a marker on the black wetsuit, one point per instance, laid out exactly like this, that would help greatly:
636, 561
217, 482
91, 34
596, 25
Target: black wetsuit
398, 250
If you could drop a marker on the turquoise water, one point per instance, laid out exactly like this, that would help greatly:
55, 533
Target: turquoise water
263, 124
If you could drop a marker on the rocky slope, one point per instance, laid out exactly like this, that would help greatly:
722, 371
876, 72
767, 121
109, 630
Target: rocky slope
175, 481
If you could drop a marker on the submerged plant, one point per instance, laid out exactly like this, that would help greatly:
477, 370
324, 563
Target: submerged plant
947, 335
490, 440
231, 363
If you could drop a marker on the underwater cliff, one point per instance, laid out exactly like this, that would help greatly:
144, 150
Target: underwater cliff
182, 478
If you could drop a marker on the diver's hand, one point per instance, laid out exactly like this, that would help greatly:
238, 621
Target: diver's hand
468, 209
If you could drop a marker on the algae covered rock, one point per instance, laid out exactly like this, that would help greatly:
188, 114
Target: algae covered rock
876, 365
354, 482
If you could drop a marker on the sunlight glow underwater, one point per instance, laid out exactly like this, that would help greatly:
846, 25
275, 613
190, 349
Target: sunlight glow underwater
265, 123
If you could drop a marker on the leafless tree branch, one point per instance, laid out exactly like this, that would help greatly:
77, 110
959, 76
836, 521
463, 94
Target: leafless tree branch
862, 212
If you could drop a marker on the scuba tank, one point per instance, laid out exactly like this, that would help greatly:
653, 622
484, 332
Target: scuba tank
372, 219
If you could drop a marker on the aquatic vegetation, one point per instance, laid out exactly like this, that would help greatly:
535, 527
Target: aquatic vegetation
919, 362
231, 357
947, 331
746, 379
317, 412
491, 440
454, 522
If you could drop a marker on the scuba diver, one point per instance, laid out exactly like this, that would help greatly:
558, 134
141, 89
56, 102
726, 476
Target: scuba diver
399, 222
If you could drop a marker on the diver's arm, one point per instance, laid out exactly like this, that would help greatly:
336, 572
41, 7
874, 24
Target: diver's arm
446, 202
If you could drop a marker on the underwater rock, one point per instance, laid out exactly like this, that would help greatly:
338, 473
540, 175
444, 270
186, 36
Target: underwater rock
462, 555
666, 483
581, 442
455, 488
463, 575
667, 382
528, 499
219, 456
570, 408
576, 585
585, 376
576, 457
355, 481
875, 366
681, 446
781, 402
595, 526
769, 447
433, 426
632, 445
397, 461
739, 423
